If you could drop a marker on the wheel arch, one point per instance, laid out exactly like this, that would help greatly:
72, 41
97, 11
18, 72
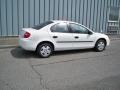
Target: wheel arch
46, 42
101, 39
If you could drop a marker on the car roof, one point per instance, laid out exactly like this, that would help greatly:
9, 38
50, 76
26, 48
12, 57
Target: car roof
56, 21
59, 21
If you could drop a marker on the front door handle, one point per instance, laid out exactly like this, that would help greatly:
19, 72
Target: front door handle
76, 37
55, 36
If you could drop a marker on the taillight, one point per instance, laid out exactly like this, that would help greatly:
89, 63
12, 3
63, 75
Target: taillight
26, 35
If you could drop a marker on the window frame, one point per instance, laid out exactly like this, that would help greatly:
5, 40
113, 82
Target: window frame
111, 14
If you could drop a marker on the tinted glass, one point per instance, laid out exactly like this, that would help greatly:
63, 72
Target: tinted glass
37, 27
61, 27
114, 14
78, 29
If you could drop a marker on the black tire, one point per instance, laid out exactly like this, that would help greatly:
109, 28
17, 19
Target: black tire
44, 50
100, 45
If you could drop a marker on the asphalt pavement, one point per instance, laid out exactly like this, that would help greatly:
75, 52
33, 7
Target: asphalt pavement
65, 70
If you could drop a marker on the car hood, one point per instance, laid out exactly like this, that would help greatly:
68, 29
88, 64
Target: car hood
100, 34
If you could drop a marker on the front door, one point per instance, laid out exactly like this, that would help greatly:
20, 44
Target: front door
83, 38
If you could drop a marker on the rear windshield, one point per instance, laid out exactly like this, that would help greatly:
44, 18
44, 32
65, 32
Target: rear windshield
37, 27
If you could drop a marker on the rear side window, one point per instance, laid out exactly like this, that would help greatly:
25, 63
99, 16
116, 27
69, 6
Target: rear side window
60, 27
37, 27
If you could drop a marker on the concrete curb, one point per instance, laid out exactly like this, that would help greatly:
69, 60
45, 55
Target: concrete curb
114, 39
8, 46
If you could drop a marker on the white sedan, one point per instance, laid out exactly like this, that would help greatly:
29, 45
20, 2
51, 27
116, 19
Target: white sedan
61, 35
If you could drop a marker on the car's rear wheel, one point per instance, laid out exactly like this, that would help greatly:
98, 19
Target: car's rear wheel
44, 50
100, 45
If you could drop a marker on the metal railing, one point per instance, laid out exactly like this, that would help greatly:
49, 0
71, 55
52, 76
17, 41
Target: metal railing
113, 27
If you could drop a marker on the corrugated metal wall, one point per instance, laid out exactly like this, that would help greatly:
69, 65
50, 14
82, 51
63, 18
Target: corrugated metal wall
16, 14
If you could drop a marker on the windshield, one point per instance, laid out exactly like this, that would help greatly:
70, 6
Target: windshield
37, 27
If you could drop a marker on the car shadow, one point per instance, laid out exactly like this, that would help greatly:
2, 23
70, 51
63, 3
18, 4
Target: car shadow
20, 53
69, 52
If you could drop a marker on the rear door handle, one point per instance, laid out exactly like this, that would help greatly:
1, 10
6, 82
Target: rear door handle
55, 36
76, 37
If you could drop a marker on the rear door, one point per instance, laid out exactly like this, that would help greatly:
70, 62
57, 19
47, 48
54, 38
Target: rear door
61, 36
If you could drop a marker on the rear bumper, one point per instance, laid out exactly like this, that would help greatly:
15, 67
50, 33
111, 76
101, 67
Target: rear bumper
27, 44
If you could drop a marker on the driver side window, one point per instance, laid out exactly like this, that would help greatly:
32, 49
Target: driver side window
75, 28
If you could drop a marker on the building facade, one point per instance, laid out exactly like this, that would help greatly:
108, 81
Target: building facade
18, 14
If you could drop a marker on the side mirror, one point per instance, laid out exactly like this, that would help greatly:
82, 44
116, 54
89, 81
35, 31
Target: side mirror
89, 32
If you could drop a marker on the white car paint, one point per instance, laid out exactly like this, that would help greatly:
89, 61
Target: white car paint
45, 34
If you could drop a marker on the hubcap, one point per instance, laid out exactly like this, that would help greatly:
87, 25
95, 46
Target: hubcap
101, 45
45, 51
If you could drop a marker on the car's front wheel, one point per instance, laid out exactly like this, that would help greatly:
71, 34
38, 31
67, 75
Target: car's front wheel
44, 50
100, 45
